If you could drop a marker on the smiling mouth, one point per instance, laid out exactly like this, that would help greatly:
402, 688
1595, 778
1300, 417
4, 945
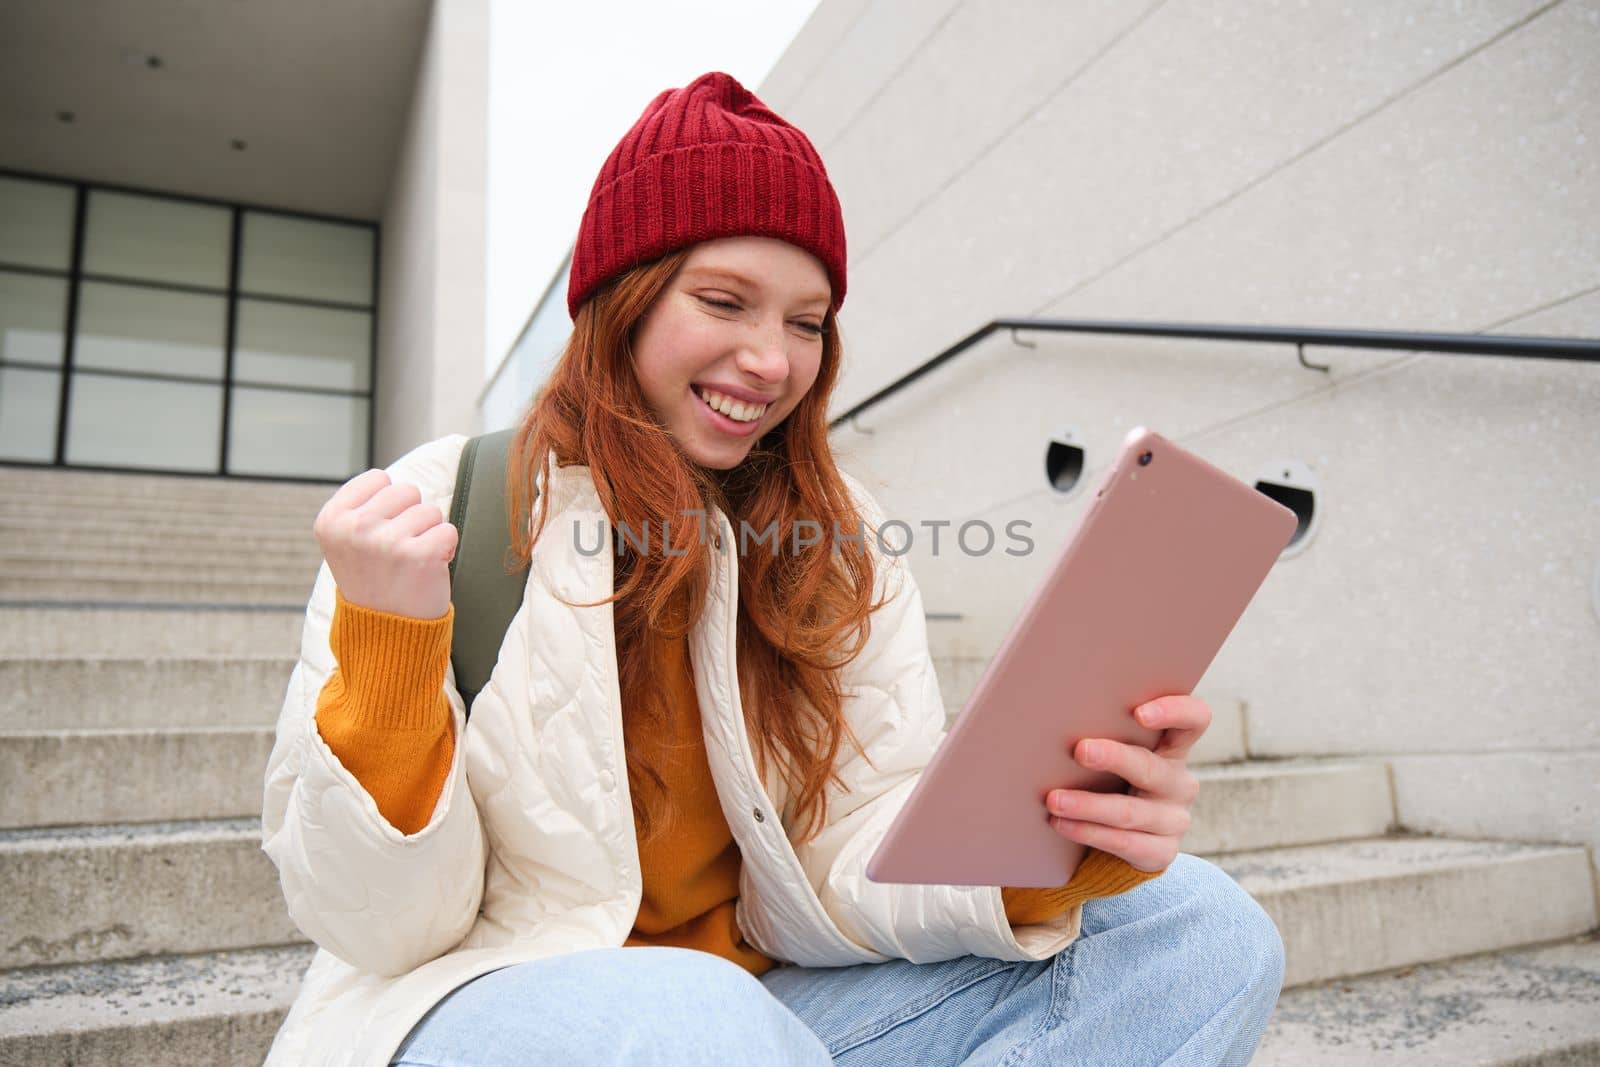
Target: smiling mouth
726, 406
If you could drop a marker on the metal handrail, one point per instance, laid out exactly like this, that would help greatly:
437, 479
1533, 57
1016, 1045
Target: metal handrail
1584, 350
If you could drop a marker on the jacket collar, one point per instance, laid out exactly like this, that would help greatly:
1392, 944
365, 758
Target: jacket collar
573, 487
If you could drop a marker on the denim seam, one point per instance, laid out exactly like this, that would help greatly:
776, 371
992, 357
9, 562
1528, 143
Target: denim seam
878, 1027
1060, 976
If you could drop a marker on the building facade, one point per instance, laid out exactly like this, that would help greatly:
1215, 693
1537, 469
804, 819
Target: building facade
1394, 166
240, 240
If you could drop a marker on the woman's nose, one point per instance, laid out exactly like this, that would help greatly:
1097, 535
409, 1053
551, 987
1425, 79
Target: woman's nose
766, 354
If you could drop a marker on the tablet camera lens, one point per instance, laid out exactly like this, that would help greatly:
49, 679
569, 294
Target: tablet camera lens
1144, 459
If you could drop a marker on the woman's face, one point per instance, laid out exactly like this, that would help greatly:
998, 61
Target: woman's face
731, 345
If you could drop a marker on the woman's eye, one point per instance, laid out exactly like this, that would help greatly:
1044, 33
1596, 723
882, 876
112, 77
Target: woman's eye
815, 329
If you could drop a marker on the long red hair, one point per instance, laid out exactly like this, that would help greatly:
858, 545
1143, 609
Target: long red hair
802, 614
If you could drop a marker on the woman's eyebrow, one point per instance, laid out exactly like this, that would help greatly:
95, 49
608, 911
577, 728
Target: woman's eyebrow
735, 276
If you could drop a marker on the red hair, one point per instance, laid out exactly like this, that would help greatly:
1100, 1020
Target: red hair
802, 614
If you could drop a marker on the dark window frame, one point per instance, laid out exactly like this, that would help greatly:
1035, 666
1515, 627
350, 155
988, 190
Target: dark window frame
74, 277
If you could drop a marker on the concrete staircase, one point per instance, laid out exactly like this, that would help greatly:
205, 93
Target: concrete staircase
148, 625
1401, 948
144, 924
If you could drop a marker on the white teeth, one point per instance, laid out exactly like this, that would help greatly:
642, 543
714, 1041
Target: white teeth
735, 409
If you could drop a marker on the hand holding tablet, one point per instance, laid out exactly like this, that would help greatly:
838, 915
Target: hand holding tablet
1146, 825
1133, 611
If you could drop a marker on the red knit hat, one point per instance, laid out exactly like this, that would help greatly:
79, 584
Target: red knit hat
705, 161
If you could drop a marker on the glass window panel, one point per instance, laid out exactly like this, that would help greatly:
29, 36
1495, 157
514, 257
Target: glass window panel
297, 434
32, 310
290, 344
156, 239
130, 327
306, 258
36, 223
129, 422
30, 400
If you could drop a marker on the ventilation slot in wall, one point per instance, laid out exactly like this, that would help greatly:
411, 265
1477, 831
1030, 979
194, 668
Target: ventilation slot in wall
1063, 462
1291, 484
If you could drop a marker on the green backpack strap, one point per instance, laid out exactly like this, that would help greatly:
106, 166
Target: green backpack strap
484, 594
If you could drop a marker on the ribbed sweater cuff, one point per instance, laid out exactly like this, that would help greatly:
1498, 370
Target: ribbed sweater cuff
392, 666
1101, 874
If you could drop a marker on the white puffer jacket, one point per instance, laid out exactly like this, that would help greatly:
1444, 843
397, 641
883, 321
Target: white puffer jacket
531, 850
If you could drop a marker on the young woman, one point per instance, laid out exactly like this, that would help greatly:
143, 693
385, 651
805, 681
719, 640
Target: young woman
649, 846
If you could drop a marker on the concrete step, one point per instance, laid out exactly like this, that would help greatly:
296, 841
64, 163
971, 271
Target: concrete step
125, 891
30, 535
26, 518
217, 1009
137, 775
18, 523
1278, 803
240, 499
1525, 1007
1263, 805
222, 513
128, 632
66, 557
169, 570
1531, 1006
84, 693
1359, 907
95, 489
118, 587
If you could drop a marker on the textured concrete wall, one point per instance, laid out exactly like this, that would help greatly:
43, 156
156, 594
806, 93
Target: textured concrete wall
431, 326
1400, 165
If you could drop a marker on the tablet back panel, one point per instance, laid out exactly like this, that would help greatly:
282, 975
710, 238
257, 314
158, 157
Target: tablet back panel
1136, 606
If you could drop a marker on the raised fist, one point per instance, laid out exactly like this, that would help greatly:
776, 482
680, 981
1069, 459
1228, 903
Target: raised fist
387, 550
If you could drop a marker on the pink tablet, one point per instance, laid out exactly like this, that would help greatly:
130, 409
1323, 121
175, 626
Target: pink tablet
1136, 606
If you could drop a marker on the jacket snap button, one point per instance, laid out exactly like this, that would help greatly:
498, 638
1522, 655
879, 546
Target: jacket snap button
608, 781
760, 817
716, 539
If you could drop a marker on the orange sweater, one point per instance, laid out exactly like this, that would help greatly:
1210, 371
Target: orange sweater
384, 715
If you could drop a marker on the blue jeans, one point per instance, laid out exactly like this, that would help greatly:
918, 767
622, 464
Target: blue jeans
1184, 969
